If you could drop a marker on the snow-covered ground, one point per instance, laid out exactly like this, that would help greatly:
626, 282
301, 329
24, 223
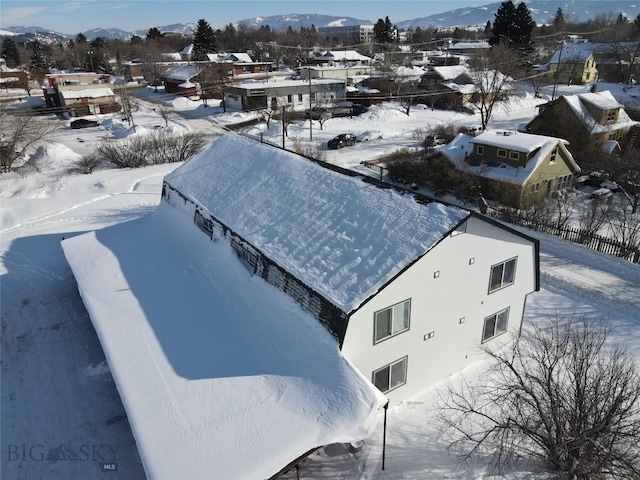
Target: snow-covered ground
62, 417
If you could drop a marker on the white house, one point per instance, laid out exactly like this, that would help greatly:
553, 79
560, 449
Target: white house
408, 288
278, 93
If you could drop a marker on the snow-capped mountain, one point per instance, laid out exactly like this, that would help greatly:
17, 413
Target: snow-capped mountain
542, 12
296, 20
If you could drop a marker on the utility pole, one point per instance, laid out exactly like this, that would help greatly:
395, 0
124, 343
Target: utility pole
283, 126
557, 76
310, 116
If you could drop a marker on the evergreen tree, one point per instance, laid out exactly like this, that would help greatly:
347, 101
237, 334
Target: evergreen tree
39, 60
383, 31
153, 33
558, 20
513, 27
621, 19
487, 29
81, 38
10, 52
204, 40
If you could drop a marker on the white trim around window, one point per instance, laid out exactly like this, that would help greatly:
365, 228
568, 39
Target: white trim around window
495, 325
391, 321
390, 376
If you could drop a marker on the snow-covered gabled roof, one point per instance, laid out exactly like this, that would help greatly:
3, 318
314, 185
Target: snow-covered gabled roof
221, 375
603, 100
238, 57
451, 72
343, 55
182, 72
573, 53
462, 147
338, 234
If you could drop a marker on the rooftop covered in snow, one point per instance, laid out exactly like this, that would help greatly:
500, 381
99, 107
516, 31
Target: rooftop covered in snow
221, 374
339, 234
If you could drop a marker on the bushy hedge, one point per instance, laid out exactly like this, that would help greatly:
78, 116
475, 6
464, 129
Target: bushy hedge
152, 149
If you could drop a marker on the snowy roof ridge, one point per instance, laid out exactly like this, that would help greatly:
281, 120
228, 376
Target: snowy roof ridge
340, 235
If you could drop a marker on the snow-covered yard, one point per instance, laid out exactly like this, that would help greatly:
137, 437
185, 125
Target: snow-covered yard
62, 416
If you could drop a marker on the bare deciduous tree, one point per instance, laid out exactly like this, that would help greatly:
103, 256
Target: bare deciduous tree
18, 133
563, 397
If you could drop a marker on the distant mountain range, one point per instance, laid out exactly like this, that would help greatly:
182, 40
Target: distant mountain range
542, 12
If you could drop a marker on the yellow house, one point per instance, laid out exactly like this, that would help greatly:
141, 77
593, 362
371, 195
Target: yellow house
517, 169
575, 63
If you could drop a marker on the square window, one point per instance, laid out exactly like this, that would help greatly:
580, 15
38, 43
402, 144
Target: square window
502, 153
391, 376
514, 155
391, 321
502, 275
495, 325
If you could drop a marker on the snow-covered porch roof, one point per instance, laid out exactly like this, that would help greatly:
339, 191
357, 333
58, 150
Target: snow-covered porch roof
221, 374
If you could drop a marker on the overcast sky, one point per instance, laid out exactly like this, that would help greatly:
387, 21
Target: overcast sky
72, 17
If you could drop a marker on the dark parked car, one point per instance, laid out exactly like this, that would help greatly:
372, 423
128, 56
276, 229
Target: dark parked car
342, 140
83, 123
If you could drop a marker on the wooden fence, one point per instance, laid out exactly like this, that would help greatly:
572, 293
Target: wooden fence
596, 242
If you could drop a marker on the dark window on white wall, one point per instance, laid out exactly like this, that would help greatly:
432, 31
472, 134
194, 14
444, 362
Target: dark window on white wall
391, 376
391, 321
502, 275
495, 325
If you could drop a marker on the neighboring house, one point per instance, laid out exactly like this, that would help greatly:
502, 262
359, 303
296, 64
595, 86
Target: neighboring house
12, 77
80, 93
518, 168
133, 71
408, 288
293, 94
448, 86
178, 79
468, 48
348, 74
574, 63
349, 58
596, 118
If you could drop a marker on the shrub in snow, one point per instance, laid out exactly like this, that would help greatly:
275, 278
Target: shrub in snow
152, 149
562, 396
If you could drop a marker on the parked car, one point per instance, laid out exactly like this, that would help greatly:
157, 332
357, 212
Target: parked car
318, 112
342, 140
369, 135
434, 140
83, 123
601, 193
348, 109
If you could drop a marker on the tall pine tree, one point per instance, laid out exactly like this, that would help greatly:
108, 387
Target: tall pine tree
558, 20
383, 31
512, 27
10, 52
204, 40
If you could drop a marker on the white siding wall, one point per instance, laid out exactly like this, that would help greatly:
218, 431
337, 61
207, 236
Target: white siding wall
438, 304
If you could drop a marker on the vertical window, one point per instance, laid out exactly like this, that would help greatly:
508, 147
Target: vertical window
391, 376
480, 149
552, 157
502, 275
495, 325
391, 321
299, 97
289, 99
